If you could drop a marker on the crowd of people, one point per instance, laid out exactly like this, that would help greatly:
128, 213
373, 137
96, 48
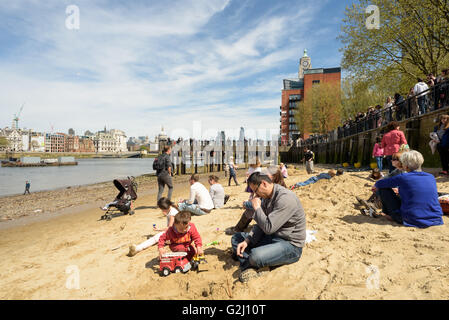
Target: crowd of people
425, 96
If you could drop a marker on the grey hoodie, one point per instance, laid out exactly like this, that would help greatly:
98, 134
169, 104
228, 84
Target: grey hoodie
283, 216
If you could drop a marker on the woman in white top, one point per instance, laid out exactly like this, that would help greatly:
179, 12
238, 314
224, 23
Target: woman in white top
168, 209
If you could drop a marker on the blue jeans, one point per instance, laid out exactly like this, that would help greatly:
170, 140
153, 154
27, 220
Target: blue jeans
192, 208
379, 162
391, 204
270, 251
422, 104
307, 182
389, 164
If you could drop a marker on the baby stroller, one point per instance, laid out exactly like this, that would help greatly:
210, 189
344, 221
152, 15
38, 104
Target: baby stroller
123, 201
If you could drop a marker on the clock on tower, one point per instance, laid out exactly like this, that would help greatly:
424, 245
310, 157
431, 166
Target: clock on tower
305, 63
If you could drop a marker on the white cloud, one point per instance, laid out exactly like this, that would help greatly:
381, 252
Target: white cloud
136, 67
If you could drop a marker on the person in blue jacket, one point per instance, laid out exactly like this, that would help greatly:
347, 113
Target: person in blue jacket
417, 204
328, 175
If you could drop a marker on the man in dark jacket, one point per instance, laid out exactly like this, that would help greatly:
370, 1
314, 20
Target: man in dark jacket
164, 173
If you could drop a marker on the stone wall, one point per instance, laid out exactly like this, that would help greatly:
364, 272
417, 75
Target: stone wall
359, 147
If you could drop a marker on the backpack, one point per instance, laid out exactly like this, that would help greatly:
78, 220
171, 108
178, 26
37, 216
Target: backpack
158, 163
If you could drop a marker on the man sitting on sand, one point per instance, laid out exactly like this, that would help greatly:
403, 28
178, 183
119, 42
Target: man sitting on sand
200, 202
279, 235
314, 179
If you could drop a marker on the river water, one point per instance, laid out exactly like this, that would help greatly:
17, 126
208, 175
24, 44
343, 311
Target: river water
88, 171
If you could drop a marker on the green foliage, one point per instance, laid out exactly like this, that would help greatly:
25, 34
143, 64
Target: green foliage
321, 110
147, 148
411, 41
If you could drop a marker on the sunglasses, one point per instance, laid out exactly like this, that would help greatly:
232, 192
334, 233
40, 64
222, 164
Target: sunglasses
394, 159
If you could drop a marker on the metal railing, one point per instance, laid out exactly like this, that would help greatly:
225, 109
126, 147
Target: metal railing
434, 98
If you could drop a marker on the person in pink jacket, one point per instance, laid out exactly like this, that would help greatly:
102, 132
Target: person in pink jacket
378, 153
391, 142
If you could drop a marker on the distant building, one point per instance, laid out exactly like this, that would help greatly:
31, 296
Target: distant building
37, 142
242, 134
55, 142
113, 141
72, 143
18, 140
296, 90
161, 140
86, 144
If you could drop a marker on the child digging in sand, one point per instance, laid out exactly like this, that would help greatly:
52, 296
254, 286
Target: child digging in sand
180, 236
169, 210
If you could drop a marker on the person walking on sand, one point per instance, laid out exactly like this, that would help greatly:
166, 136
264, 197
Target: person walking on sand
27, 187
309, 156
232, 172
164, 173
279, 235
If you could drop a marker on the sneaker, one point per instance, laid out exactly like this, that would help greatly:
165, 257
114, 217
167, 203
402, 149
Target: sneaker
104, 208
443, 173
231, 231
366, 204
132, 250
369, 212
251, 273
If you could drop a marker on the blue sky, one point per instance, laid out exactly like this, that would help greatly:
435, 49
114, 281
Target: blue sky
139, 65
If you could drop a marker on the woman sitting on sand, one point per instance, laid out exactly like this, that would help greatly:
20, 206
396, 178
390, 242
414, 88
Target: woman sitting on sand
417, 204
168, 209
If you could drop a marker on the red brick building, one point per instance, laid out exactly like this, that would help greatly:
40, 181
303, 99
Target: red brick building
72, 143
295, 90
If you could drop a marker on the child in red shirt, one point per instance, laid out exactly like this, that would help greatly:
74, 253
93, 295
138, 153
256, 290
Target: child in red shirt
180, 237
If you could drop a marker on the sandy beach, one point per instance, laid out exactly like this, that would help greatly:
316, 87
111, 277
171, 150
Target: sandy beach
353, 257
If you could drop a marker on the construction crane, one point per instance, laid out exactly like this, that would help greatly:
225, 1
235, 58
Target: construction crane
16, 118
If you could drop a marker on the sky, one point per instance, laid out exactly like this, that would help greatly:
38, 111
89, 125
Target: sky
194, 67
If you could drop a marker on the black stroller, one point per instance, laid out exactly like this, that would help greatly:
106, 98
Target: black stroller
123, 201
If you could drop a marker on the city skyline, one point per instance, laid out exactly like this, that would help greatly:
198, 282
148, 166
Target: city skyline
139, 67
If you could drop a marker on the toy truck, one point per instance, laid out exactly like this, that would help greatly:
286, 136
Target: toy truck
174, 262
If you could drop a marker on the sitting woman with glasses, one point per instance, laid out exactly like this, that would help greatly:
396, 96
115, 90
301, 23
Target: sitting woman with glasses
417, 204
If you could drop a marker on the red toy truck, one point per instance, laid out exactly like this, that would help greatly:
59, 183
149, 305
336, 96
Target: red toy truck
174, 262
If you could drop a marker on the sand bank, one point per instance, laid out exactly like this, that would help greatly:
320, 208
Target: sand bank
354, 257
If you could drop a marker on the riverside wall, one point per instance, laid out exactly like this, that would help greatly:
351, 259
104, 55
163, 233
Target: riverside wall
359, 147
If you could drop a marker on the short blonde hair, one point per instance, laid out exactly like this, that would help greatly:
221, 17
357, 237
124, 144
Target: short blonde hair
412, 160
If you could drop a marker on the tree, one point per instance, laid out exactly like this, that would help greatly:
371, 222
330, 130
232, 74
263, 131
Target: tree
3, 143
320, 112
410, 42
71, 132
